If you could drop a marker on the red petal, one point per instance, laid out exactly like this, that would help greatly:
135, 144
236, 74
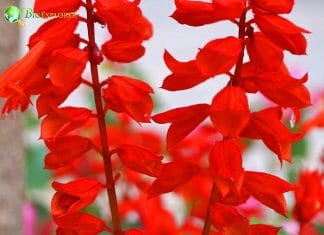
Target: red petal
82, 223
228, 221
63, 121
57, 33
261, 229
67, 65
183, 121
194, 13
225, 162
219, 56
266, 125
184, 75
264, 53
123, 51
140, 160
230, 111
129, 95
274, 6
268, 189
283, 33
172, 176
74, 196
229, 9
65, 150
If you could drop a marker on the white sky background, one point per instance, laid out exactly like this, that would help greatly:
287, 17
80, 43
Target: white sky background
183, 42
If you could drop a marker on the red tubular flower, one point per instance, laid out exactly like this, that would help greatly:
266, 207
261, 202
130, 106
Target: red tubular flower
172, 176
128, 28
219, 56
18, 82
261, 51
184, 75
268, 189
57, 6
71, 197
129, 95
309, 196
282, 32
58, 33
79, 224
225, 162
229, 111
267, 126
277, 7
194, 13
197, 13
278, 86
62, 121
183, 121
228, 221
140, 160
229, 9
67, 65
65, 150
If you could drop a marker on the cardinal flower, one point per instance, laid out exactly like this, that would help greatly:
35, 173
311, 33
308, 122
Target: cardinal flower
309, 195
129, 95
128, 28
73, 196
19, 81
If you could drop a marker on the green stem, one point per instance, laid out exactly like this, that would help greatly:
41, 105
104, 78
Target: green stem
101, 122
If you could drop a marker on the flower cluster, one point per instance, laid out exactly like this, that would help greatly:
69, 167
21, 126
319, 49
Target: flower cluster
254, 63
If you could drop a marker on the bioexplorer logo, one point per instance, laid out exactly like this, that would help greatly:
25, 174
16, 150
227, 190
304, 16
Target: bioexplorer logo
14, 14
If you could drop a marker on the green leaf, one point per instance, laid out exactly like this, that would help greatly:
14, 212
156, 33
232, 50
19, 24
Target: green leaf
36, 175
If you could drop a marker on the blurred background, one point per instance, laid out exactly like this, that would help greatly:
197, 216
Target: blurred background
25, 184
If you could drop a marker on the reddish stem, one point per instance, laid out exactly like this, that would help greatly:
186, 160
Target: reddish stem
241, 35
101, 122
212, 200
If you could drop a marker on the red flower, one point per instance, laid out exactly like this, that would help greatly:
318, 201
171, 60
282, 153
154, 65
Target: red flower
267, 126
62, 121
20, 80
67, 65
230, 111
183, 121
128, 28
57, 6
278, 86
228, 221
140, 160
225, 162
58, 33
261, 50
268, 189
172, 176
219, 56
64, 150
79, 224
184, 75
129, 95
277, 7
197, 13
71, 197
309, 196
282, 32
